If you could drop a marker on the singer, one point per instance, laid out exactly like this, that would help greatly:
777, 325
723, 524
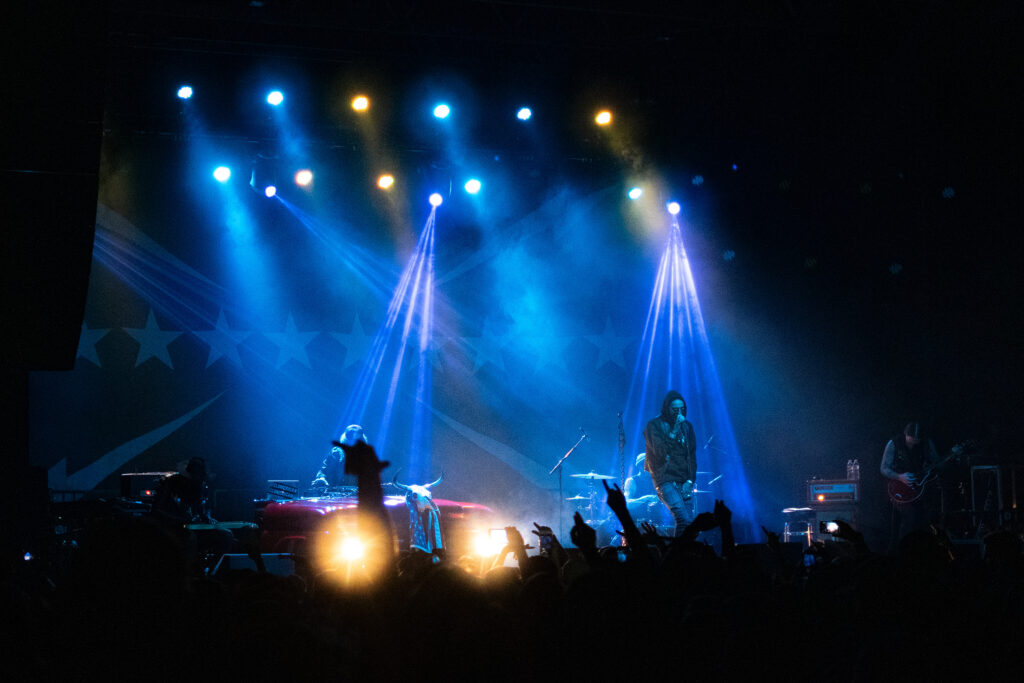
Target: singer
672, 459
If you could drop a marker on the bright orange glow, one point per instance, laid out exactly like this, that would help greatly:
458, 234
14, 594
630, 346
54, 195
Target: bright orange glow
821, 497
361, 103
385, 181
603, 118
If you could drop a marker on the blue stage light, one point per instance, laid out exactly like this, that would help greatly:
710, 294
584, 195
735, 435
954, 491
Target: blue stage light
436, 199
472, 186
275, 97
441, 111
636, 193
673, 208
222, 174
185, 92
270, 191
524, 114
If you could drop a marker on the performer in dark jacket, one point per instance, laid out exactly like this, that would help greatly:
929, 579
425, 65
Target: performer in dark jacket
332, 471
905, 458
672, 459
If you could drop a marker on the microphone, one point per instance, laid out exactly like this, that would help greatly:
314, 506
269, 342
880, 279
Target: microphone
583, 433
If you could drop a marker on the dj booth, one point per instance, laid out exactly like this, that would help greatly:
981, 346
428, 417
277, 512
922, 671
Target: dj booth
303, 525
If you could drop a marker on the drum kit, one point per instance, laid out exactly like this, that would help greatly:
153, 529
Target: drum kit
591, 505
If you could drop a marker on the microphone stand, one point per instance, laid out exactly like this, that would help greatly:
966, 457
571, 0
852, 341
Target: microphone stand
558, 467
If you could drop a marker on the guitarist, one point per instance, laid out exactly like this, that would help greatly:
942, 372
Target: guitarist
905, 458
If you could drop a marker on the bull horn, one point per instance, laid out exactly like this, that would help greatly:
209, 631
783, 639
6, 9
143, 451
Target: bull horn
435, 483
395, 481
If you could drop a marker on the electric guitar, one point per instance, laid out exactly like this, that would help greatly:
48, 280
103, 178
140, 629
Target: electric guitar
901, 493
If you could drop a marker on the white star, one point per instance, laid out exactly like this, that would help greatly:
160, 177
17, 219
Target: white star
223, 341
87, 344
152, 341
291, 343
610, 347
357, 344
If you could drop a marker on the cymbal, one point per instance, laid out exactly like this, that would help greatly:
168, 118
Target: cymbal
591, 475
579, 498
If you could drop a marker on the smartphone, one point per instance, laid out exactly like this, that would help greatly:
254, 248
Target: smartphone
545, 542
828, 527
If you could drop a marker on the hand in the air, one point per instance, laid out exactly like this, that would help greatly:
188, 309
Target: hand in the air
542, 531
361, 459
582, 535
616, 500
722, 513
705, 521
514, 538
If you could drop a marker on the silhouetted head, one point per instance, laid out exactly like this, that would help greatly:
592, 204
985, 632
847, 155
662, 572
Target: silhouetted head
913, 434
672, 405
352, 435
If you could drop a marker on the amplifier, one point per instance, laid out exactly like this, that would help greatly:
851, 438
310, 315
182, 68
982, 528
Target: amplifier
826, 491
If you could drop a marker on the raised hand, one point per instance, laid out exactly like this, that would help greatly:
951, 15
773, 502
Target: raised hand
723, 515
361, 460
514, 538
705, 521
772, 539
582, 535
616, 500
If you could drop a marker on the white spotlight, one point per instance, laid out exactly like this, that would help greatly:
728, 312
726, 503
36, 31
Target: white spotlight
472, 186
636, 193
436, 199
673, 208
441, 111
185, 92
270, 191
304, 177
351, 548
222, 174
275, 97
524, 114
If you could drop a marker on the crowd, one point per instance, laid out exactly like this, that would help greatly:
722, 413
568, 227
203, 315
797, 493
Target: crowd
131, 604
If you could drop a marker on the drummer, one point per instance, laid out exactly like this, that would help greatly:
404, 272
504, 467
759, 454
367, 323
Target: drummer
641, 498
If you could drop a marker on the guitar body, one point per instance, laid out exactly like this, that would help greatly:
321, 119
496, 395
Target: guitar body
901, 493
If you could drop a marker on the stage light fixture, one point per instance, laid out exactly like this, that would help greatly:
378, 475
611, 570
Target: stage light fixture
270, 190
524, 114
603, 118
386, 181
304, 177
436, 199
361, 103
636, 193
185, 92
275, 97
472, 186
441, 111
673, 208
222, 174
